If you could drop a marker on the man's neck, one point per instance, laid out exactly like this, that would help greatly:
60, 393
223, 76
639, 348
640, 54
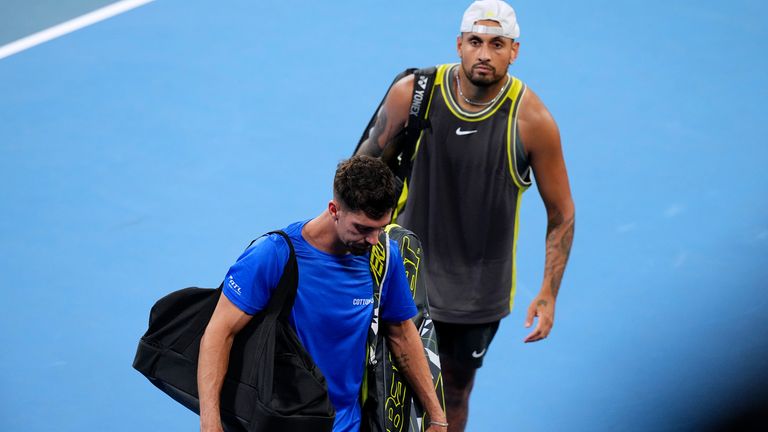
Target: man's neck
320, 233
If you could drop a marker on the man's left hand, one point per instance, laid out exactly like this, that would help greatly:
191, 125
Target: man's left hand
543, 307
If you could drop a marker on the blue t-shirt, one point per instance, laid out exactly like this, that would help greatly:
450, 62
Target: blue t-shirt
333, 308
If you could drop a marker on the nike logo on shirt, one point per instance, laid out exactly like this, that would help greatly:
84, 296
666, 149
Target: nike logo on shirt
476, 354
464, 132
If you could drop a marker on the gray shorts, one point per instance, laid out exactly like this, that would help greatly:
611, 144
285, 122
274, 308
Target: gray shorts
467, 344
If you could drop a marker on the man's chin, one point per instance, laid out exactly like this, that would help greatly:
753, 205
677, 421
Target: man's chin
483, 80
358, 250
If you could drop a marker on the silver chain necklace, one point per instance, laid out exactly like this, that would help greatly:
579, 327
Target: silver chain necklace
482, 104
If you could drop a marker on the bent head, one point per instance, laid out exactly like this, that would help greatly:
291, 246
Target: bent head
487, 44
363, 200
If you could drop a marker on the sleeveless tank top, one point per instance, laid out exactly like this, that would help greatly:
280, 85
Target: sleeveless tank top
463, 201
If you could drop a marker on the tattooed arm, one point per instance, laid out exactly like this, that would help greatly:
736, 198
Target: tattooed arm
408, 352
390, 120
541, 139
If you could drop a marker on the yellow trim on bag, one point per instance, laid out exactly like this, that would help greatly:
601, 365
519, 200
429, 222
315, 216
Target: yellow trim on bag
401, 201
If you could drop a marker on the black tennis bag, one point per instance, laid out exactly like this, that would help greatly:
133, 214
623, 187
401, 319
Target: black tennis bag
272, 383
389, 404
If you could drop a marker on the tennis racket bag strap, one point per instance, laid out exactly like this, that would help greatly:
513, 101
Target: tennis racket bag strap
271, 383
388, 401
372, 121
398, 154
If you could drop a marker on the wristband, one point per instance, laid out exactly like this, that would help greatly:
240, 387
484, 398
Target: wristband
437, 423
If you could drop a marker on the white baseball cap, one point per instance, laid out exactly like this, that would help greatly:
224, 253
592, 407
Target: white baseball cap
494, 10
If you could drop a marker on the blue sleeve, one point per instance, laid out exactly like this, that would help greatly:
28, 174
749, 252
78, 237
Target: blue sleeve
397, 301
250, 281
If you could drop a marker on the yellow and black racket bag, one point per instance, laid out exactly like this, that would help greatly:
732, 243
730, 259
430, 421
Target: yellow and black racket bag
389, 404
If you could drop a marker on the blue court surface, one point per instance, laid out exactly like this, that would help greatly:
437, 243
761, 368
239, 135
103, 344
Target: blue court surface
140, 154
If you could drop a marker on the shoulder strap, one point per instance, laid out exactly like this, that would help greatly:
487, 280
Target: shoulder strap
278, 309
281, 302
379, 265
423, 82
422, 90
372, 121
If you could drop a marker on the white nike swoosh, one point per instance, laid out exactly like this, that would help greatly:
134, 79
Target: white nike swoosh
476, 354
461, 132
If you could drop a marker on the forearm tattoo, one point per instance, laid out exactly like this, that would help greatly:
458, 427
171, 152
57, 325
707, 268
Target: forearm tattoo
559, 240
372, 146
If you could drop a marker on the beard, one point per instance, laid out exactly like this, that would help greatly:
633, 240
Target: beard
358, 248
482, 80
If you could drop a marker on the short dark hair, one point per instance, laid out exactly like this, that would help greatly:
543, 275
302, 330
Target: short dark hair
365, 183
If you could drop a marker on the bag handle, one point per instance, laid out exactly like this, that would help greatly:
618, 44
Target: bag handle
421, 94
278, 308
204, 317
379, 255
281, 303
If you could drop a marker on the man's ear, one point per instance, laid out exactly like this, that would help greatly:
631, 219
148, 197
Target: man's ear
333, 210
515, 51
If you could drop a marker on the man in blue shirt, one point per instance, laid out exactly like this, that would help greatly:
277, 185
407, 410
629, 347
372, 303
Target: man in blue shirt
334, 302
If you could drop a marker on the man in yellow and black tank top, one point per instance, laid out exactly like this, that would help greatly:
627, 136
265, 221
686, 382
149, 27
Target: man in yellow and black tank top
487, 132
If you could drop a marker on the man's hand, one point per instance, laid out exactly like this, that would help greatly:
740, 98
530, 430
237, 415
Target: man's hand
543, 307
539, 132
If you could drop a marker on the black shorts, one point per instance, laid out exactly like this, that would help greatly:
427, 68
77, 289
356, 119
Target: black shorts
467, 344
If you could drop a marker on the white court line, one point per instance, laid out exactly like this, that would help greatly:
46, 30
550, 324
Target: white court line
70, 26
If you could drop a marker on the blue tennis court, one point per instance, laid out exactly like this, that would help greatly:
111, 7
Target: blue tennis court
141, 153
